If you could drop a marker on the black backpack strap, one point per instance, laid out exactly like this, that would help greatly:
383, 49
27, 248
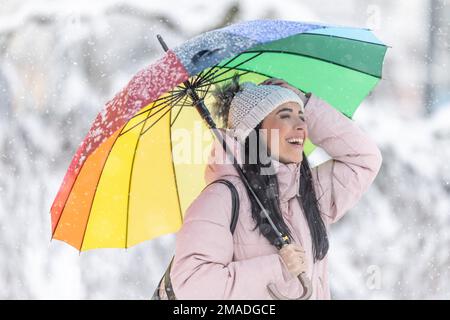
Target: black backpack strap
234, 202
234, 218
167, 285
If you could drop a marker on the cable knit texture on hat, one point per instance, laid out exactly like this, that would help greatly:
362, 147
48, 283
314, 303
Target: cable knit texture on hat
251, 105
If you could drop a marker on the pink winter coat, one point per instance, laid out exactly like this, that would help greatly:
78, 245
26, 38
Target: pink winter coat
212, 263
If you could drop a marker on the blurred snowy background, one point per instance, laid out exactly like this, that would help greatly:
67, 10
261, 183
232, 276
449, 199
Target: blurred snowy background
60, 61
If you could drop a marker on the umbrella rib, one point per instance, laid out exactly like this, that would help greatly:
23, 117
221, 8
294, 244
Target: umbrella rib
67, 199
175, 174
179, 111
200, 76
315, 58
176, 116
220, 74
145, 119
205, 92
200, 79
143, 132
209, 74
199, 88
170, 108
340, 37
225, 79
166, 99
174, 99
131, 177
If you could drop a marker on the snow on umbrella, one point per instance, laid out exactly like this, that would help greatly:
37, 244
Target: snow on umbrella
123, 187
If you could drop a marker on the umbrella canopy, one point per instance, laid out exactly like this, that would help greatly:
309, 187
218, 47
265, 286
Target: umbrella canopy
125, 184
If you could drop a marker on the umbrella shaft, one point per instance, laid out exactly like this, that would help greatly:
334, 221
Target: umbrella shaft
201, 108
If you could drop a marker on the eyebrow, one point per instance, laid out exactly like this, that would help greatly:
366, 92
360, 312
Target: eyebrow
288, 109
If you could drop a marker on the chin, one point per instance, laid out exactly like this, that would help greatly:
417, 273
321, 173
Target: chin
295, 160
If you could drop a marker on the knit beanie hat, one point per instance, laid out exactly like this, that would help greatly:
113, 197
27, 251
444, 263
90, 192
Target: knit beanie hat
253, 103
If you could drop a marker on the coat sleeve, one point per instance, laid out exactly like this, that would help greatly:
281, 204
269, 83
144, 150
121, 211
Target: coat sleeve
356, 159
203, 267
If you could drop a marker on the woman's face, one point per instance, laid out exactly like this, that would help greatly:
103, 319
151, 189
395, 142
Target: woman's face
288, 121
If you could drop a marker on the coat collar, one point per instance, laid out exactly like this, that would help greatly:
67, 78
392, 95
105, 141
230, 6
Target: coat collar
288, 176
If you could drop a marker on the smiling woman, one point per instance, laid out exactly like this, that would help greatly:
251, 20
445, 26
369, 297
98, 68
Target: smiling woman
210, 261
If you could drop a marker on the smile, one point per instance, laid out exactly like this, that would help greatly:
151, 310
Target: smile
296, 142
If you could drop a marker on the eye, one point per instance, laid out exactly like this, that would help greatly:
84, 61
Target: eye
284, 116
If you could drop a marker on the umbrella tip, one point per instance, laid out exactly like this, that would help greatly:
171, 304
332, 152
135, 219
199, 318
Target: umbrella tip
162, 42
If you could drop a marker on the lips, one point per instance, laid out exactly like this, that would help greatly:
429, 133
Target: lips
295, 141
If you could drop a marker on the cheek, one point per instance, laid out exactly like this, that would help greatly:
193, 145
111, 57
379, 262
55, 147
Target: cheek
275, 133
283, 131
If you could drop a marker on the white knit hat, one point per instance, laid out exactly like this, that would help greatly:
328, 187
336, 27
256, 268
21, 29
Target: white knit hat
251, 105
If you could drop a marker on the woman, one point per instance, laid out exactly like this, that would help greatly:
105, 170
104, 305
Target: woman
211, 262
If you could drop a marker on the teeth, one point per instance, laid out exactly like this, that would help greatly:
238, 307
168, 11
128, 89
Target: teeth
295, 140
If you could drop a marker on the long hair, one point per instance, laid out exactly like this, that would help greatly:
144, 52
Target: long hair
265, 185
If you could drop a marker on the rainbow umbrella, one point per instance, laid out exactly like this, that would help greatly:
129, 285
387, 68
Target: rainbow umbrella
124, 185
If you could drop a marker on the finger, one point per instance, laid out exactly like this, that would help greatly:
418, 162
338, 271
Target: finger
275, 82
279, 81
293, 252
300, 257
291, 255
298, 247
270, 80
298, 250
290, 247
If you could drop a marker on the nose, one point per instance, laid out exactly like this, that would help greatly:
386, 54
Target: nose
301, 126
